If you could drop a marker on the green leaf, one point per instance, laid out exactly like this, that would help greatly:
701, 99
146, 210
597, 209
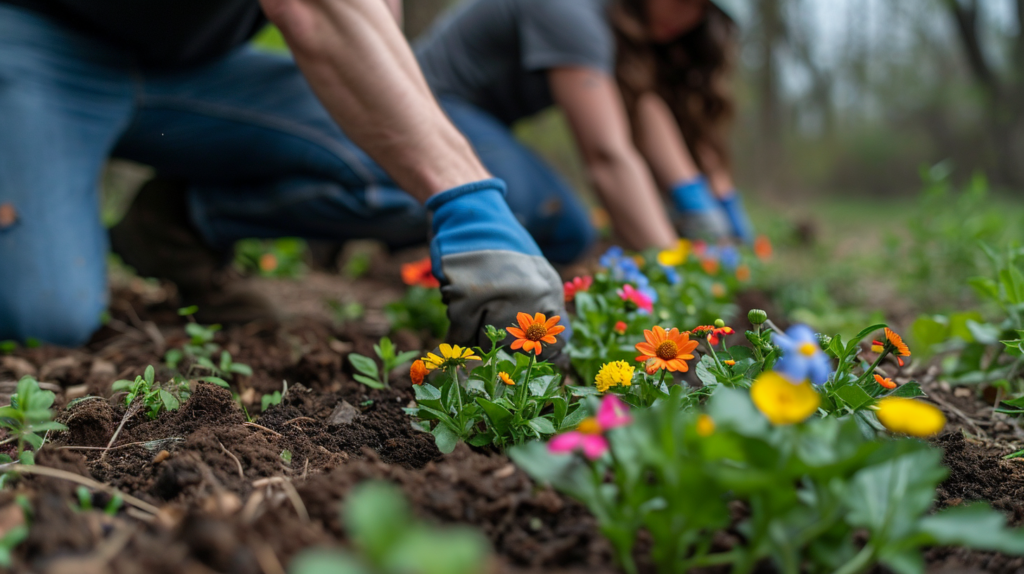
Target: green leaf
542, 426
364, 365
327, 562
985, 288
574, 418
583, 391
27, 457
190, 310
426, 392
170, 401
976, 526
405, 357
890, 497
909, 390
215, 380
372, 383
445, 438
498, 415
241, 369
929, 331
1013, 282
542, 385
854, 396
704, 373
853, 343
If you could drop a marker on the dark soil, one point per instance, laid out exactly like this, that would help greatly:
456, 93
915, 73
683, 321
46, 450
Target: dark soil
207, 468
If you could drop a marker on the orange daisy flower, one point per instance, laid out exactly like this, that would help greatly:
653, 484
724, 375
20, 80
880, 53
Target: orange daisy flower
763, 248
885, 382
419, 273
505, 378
533, 331
417, 371
666, 349
895, 344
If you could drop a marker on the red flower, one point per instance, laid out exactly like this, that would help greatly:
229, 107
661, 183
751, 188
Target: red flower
885, 382
620, 327
713, 338
419, 273
577, 285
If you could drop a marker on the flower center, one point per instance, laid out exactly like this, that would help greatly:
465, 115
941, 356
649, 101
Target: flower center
589, 425
667, 351
536, 332
808, 349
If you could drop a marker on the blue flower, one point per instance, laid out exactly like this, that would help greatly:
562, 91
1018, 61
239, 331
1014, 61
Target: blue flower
802, 357
671, 275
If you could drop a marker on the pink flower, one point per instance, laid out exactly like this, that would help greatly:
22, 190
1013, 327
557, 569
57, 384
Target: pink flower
589, 435
577, 285
629, 294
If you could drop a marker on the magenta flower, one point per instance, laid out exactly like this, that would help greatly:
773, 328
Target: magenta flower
589, 435
577, 285
629, 294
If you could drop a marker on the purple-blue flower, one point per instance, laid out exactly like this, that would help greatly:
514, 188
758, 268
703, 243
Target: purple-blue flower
802, 357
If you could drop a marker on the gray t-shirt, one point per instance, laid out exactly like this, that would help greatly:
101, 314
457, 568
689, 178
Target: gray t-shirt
495, 53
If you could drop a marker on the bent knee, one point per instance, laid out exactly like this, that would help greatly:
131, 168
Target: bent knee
66, 325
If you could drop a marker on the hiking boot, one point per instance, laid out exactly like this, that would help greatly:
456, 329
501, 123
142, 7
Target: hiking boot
157, 238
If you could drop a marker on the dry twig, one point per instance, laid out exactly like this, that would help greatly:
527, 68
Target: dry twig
261, 427
85, 481
241, 473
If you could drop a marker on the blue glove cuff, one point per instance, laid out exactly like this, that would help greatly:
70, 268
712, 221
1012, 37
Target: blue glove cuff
475, 217
444, 197
732, 204
693, 195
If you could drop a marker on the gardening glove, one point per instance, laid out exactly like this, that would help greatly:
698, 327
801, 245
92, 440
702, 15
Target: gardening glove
489, 267
697, 214
732, 204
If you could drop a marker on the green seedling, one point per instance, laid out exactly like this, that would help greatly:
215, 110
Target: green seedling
345, 312
267, 400
28, 415
154, 397
421, 310
201, 349
387, 539
367, 371
7, 347
84, 496
286, 456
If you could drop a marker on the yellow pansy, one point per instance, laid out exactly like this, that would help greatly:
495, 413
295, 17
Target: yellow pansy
911, 417
783, 402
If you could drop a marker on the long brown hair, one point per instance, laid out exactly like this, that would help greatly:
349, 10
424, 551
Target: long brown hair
691, 73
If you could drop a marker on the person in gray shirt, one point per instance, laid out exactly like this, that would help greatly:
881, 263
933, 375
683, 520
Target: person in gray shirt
639, 82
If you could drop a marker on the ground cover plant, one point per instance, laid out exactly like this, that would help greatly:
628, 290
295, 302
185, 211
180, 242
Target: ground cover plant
679, 430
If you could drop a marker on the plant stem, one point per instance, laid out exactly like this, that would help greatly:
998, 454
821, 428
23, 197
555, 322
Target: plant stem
860, 562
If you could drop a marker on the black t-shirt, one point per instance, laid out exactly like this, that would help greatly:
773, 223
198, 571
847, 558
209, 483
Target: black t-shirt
163, 33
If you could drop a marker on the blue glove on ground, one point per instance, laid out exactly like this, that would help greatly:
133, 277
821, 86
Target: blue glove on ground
732, 204
697, 214
489, 267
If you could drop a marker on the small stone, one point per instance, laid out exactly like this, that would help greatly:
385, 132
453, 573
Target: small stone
102, 368
161, 456
223, 503
76, 392
340, 347
505, 471
18, 366
343, 414
58, 368
962, 392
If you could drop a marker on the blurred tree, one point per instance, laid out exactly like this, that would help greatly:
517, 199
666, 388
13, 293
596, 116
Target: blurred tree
1003, 87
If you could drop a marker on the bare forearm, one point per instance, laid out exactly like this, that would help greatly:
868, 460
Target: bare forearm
627, 190
362, 69
661, 142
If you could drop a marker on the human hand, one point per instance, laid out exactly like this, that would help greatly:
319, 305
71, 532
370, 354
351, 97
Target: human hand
732, 204
697, 214
489, 267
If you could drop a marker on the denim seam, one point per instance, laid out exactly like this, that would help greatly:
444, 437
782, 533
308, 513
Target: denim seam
250, 117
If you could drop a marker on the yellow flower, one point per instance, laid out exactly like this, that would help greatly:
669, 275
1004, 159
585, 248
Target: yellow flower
705, 425
615, 373
677, 255
911, 417
451, 356
783, 402
505, 378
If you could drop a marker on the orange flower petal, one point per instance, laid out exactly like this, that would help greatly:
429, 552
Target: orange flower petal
539, 318
550, 323
556, 330
518, 343
524, 320
550, 339
516, 332
646, 348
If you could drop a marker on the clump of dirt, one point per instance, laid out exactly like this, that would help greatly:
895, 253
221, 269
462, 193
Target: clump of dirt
976, 473
90, 423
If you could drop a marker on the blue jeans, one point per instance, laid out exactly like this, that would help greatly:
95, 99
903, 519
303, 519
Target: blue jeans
262, 156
